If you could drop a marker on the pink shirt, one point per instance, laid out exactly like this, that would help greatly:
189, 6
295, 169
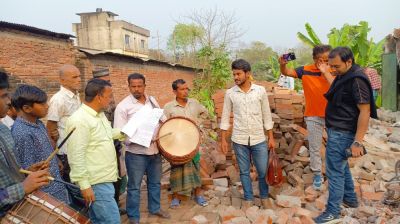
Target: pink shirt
124, 111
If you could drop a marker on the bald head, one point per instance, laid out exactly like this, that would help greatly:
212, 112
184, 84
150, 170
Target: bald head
70, 77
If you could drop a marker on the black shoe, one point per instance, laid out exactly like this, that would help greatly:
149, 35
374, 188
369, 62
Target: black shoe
348, 204
327, 218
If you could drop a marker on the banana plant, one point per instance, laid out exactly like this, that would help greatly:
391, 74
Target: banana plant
312, 40
366, 52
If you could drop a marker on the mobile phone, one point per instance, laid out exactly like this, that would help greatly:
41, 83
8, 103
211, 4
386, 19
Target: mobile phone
289, 56
349, 154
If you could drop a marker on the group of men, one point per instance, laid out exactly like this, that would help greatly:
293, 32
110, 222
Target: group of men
338, 96
91, 156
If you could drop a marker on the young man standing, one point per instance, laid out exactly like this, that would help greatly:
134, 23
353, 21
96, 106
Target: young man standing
185, 178
32, 142
316, 80
251, 115
13, 185
350, 105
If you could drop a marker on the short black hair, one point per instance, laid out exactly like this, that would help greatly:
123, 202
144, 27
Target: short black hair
177, 82
94, 88
320, 49
241, 64
344, 53
27, 95
136, 76
4, 84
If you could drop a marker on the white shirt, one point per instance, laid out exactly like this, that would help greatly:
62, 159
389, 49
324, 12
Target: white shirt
251, 114
124, 111
7, 121
61, 106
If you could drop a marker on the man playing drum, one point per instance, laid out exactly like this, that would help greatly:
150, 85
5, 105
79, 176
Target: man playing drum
185, 178
251, 115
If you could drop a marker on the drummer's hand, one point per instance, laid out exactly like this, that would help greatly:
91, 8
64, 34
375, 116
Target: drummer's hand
88, 195
224, 147
35, 180
39, 166
271, 143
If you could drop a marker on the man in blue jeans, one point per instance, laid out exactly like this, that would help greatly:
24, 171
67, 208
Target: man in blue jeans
91, 153
251, 114
350, 105
139, 159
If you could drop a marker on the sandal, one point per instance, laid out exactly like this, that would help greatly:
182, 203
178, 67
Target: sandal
175, 203
200, 200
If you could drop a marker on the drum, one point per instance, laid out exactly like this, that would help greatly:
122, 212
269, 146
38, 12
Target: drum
42, 208
178, 139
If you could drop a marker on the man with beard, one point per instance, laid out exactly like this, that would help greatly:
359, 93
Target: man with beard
251, 115
350, 105
140, 159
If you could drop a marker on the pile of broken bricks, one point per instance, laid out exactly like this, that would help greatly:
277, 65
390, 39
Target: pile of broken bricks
295, 201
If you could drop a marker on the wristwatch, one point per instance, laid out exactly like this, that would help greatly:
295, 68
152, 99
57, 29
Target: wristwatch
357, 144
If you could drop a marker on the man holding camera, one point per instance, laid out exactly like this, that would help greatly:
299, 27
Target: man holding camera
316, 80
350, 105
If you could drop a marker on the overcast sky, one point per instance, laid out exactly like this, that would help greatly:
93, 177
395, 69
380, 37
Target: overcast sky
273, 22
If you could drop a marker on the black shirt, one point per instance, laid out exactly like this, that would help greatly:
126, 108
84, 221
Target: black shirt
345, 93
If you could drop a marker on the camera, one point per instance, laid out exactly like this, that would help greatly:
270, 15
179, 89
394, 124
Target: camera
289, 56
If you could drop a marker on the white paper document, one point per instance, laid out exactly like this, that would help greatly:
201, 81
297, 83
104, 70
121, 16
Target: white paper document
141, 127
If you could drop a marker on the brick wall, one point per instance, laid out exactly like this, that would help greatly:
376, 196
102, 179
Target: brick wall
35, 59
159, 76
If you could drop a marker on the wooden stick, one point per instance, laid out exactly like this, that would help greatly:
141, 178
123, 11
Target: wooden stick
50, 178
58, 148
162, 136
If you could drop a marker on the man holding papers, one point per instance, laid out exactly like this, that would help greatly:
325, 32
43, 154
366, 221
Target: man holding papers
138, 116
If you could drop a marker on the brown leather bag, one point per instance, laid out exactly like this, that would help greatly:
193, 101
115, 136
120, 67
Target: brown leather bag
274, 171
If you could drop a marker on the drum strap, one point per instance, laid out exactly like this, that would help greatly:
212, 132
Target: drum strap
11, 165
152, 103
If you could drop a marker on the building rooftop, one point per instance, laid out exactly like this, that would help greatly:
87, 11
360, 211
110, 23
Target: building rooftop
31, 29
98, 10
102, 52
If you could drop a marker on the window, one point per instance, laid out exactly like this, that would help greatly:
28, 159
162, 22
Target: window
127, 40
142, 44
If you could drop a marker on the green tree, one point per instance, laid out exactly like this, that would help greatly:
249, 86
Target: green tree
214, 74
256, 52
184, 40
